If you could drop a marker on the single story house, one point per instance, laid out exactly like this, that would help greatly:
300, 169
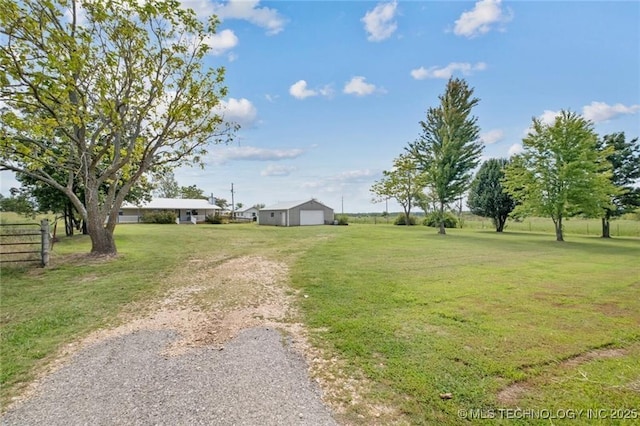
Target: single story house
186, 209
296, 213
250, 213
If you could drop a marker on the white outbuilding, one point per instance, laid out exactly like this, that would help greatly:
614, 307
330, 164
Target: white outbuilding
296, 213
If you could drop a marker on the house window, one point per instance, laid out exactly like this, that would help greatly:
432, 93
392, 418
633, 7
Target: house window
272, 214
194, 212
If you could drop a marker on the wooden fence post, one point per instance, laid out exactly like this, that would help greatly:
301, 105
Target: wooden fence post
44, 249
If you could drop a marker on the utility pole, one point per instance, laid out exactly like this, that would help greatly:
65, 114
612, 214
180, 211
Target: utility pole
232, 202
342, 202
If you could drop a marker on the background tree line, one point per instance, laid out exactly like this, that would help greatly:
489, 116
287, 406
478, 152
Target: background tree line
564, 169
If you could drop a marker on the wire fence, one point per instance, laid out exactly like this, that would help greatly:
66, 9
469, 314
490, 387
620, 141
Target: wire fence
577, 226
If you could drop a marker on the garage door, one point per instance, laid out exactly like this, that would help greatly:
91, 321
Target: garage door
311, 217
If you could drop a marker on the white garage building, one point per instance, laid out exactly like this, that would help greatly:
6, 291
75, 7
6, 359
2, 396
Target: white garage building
296, 213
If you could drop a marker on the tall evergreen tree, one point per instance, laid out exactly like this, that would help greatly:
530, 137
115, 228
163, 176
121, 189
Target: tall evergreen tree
625, 162
487, 197
449, 147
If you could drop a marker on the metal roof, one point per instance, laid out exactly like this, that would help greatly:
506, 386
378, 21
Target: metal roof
286, 205
247, 209
173, 203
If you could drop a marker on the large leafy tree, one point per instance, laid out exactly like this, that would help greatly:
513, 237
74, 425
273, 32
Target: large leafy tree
449, 147
166, 185
560, 172
192, 191
221, 202
625, 161
104, 92
402, 183
487, 197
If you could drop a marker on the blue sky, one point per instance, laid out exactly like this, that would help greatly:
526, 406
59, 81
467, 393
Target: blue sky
329, 93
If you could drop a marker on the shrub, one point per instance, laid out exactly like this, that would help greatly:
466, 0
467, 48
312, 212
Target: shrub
159, 217
433, 220
400, 220
342, 219
214, 219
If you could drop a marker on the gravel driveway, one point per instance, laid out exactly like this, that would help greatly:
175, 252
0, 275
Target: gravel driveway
257, 379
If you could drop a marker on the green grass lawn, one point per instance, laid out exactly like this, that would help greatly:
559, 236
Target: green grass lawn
412, 313
474, 312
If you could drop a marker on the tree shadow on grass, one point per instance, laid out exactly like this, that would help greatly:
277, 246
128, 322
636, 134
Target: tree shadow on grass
623, 246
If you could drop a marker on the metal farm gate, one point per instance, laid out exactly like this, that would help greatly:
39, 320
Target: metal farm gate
24, 242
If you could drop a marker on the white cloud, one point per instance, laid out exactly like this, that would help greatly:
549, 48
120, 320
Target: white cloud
446, 72
354, 175
492, 136
202, 8
357, 86
299, 90
480, 20
240, 111
278, 170
221, 42
548, 117
248, 10
326, 91
337, 182
379, 23
600, 111
595, 112
515, 149
221, 155
7, 181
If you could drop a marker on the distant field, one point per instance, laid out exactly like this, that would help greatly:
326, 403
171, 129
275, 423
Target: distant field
401, 314
619, 227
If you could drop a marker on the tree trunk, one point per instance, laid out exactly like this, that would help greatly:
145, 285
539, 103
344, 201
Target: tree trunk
442, 230
102, 242
558, 224
606, 227
68, 220
500, 223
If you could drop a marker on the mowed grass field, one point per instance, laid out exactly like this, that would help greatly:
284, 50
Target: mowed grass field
496, 321
572, 226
